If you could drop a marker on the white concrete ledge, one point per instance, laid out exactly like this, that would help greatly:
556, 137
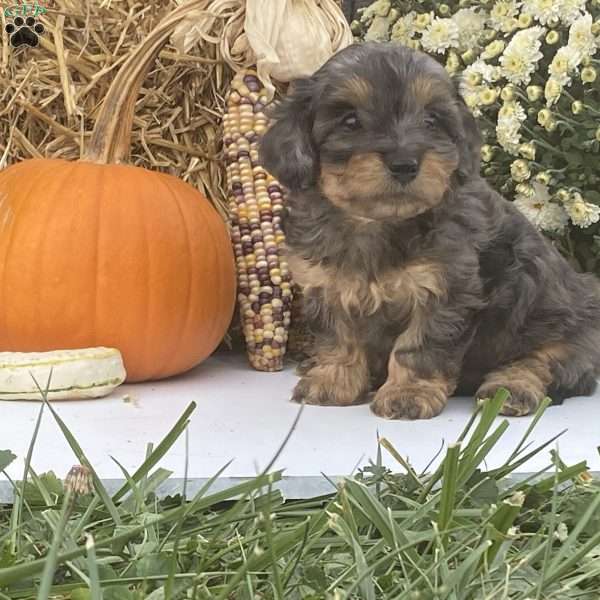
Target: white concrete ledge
243, 415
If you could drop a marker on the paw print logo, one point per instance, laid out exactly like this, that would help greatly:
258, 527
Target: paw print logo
24, 32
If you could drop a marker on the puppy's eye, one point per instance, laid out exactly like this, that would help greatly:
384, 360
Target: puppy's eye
351, 122
431, 120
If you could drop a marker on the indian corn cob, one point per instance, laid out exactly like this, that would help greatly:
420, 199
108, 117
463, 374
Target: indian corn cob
255, 202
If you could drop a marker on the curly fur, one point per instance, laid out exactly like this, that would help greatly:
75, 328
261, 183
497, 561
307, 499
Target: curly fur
418, 288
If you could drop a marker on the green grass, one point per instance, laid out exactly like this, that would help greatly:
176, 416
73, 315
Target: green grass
460, 532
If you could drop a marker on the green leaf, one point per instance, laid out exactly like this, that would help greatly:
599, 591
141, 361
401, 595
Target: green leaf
51, 484
117, 592
485, 492
6, 458
152, 564
316, 578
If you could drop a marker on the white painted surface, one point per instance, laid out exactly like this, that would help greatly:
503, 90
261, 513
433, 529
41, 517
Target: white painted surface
244, 415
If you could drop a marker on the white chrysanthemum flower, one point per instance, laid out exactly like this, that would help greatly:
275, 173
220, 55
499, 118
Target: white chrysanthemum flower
470, 25
581, 37
486, 73
539, 210
404, 28
440, 35
519, 60
508, 136
474, 81
565, 61
543, 11
503, 16
582, 213
510, 118
570, 10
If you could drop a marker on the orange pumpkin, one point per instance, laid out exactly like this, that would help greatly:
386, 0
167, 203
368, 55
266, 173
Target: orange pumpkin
94, 253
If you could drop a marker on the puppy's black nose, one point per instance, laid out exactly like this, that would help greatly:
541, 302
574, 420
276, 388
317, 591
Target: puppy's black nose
404, 170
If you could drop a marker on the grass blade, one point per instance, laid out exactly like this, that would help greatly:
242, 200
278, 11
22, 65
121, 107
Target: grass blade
158, 453
51, 560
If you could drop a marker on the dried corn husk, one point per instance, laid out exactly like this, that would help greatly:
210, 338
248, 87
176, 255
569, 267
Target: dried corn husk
293, 38
285, 39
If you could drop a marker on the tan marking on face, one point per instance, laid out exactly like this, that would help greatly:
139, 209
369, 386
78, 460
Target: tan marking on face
426, 89
365, 188
433, 179
355, 91
352, 186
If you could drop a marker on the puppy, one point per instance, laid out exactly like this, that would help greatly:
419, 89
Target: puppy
420, 280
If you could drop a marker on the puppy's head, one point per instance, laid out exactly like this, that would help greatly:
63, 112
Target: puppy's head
379, 129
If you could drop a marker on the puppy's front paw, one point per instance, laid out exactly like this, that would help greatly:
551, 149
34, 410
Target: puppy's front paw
408, 402
523, 400
329, 387
310, 392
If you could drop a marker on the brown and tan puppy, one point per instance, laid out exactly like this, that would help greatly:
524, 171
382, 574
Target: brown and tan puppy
420, 280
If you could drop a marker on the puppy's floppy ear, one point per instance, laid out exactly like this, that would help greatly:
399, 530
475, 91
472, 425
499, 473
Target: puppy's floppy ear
287, 149
470, 142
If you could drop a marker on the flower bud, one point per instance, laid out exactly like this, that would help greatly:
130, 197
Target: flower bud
544, 178
488, 96
553, 90
452, 63
534, 92
544, 116
468, 56
553, 37
527, 151
473, 79
508, 93
519, 170
79, 480
577, 107
524, 189
588, 75
487, 153
525, 21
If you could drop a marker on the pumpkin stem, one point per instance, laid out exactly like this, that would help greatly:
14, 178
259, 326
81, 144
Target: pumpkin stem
111, 139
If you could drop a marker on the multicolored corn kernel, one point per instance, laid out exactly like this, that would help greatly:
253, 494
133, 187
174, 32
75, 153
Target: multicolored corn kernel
256, 205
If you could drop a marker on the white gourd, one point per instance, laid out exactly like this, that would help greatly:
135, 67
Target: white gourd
74, 374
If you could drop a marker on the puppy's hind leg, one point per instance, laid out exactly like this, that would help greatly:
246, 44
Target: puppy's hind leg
556, 368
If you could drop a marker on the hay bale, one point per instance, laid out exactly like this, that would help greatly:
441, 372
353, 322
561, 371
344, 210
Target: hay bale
50, 95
